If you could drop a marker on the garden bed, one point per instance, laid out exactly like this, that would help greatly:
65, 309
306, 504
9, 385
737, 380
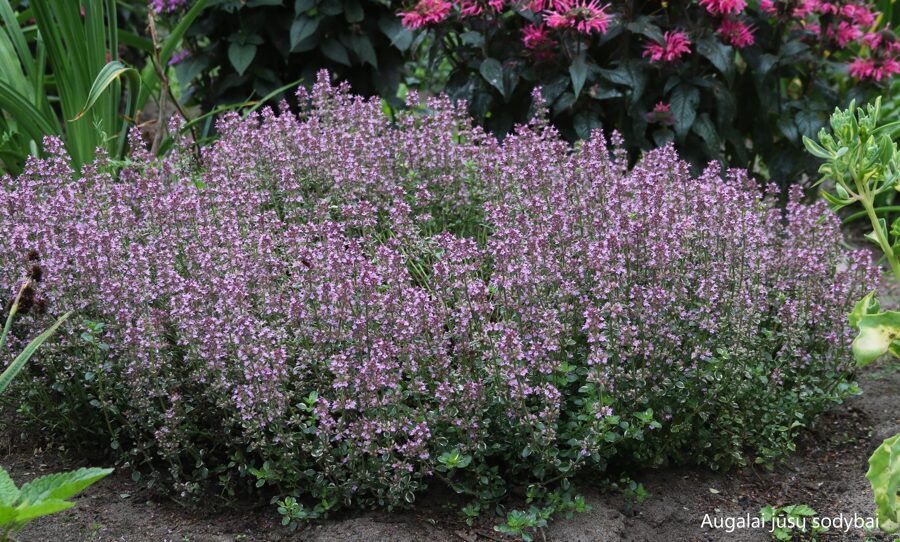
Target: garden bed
827, 473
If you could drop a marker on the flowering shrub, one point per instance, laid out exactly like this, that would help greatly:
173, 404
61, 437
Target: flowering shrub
345, 307
743, 82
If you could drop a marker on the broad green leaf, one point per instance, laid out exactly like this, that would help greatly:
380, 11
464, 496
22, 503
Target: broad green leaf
353, 11
578, 70
17, 364
61, 485
9, 493
107, 76
302, 28
683, 104
704, 128
46, 507
644, 26
7, 515
884, 475
492, 71
400, 36
362, 48
876, 333
241, 55
720, 55
336, 52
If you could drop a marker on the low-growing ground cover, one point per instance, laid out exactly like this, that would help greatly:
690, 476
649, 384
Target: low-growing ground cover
343, 307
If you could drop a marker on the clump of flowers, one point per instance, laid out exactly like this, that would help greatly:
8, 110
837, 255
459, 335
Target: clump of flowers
585, 16
428, 12
593, 59
723, 7
674, 46
736, 33
343, 306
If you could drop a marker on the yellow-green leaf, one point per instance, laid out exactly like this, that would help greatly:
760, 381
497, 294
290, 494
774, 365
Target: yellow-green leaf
107, 76
876, 333
884, 475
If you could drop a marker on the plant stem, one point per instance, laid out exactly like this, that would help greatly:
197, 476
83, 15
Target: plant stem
880, 236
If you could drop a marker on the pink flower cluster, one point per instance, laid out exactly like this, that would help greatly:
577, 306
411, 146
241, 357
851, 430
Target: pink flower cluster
426, 12
675, 45
844, 25
585, 16
344, 297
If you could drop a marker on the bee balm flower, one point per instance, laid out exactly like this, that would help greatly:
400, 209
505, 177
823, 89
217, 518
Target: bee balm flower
426, 12
585, 16
677, 44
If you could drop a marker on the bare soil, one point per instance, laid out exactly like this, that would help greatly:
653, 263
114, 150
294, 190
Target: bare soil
826, 473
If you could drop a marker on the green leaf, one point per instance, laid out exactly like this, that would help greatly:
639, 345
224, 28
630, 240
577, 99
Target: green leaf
241, 55
9, 493
353, 12
808, 122
884, 475
61, 485
46, 507
362, 48
865, 306
400, 36
578, 70
683, 104
107, 76
7, 515
644, 26
302, 28
17, 364
331, 7
336, 52
815, 149
720, 55
876, 333
492, 71
704, 128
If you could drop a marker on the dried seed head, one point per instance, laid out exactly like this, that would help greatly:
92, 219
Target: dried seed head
26, 301
32, 256
36, 273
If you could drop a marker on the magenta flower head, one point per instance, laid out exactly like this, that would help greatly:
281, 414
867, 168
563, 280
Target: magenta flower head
425, 13
874, 69
537, 37
585, 16
661, 114
675, 45
723, 7
736, 33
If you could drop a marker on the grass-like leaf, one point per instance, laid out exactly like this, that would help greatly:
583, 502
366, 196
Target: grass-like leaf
17, 364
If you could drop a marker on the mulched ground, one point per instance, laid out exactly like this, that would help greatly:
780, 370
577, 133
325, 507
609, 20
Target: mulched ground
827, 473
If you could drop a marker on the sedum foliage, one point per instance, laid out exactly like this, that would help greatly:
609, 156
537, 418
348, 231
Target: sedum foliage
862, 160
